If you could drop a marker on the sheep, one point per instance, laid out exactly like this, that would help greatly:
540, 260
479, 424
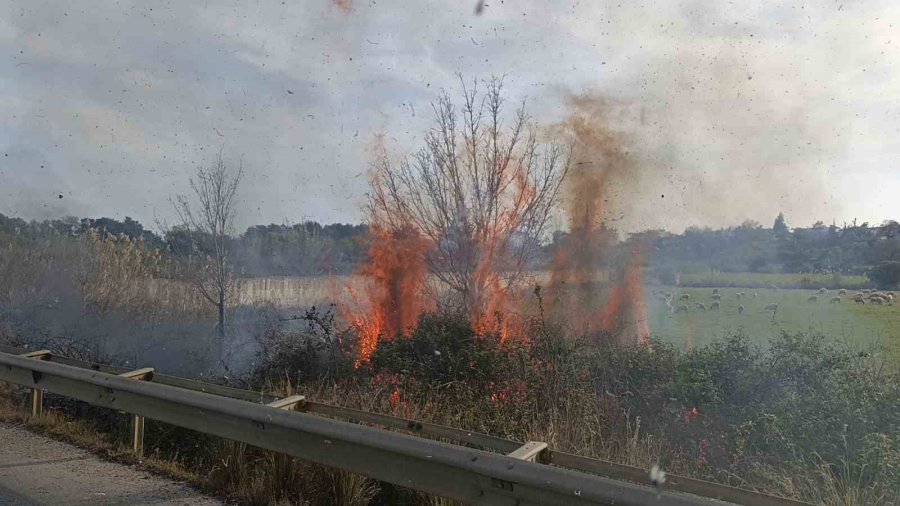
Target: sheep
739, 295
835, 300
755, 294
813, 298
771, 307
842, 292
859, 299
700, 306
880, 299
714, 306
685, 296
681, 309
741, 309
823, 290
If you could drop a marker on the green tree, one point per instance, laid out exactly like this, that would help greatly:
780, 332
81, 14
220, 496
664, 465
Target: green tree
780, 227
886, 274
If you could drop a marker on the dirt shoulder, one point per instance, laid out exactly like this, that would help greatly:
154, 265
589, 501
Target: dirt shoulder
35, 469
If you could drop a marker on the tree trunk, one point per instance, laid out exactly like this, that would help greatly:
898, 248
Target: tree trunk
220, 338
221, 307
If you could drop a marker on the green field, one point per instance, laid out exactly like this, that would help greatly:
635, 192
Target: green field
860, 326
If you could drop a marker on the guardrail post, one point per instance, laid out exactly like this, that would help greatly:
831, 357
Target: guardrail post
530, 451
37, 395
137, 425
289, 403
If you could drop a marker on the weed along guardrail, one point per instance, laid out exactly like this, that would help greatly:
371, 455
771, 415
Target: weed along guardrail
478, 469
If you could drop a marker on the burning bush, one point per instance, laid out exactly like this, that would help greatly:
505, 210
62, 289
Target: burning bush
393, 297
479, 195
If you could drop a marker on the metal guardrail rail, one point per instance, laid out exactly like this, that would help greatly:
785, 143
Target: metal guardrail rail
291, 426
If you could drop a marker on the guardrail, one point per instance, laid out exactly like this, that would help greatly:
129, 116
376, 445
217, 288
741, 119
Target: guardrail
527, 473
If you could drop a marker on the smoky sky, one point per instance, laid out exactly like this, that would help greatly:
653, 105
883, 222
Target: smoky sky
732, 111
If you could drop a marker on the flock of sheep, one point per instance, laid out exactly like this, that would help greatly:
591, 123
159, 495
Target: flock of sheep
860, 297
873, 297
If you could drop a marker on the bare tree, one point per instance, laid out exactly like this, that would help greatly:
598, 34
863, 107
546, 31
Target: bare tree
209, 220
481, 192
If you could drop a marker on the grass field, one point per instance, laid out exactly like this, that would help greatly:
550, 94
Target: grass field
860, 326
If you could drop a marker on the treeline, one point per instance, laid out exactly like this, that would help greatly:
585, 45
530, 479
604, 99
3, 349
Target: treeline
311, 248
852, 249
304, 249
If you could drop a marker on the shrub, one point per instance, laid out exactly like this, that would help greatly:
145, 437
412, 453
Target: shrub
313, 352
885, 275
444, 348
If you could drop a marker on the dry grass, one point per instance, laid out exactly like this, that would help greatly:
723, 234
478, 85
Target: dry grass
572, 426
264, 477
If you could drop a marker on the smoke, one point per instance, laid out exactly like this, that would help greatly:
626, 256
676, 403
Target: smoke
716, 162
603, 167
733, 106
738, 113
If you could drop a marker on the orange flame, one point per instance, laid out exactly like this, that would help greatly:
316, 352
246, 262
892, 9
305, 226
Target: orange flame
601, 160
494, 310
626, 310
395, 273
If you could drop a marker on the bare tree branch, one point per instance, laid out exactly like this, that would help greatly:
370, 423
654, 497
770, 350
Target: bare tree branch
480, 191
209, 221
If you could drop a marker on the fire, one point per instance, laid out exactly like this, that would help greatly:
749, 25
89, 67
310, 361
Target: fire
494, 310
472, 220
499, 314
392, 298
625, 313
601, 161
